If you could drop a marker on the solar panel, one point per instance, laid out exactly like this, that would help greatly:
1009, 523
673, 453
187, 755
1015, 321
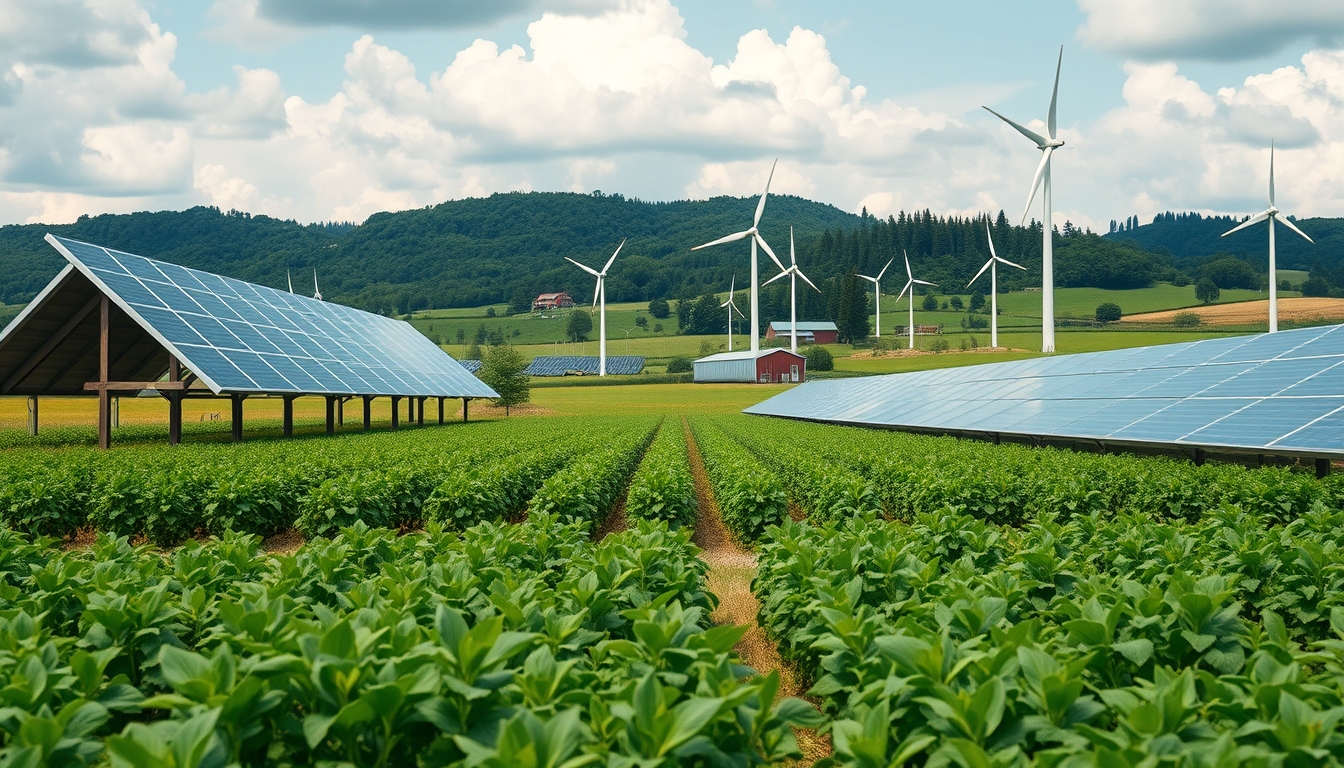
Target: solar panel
471, 366
561, 365
239, 337
1262, 393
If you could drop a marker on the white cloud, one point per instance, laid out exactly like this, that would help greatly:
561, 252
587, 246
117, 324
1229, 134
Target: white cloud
1219, 30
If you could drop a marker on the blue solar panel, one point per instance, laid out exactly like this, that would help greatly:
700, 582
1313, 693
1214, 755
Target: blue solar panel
560, 365
471, 365
1261, 393
240, 337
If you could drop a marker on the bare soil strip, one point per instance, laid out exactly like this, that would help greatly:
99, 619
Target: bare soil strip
731, 571
1247, 312
616, 520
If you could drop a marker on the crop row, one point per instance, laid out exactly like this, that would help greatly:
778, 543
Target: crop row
909, 474
663, 487
749, 496
1105, 639
503, 645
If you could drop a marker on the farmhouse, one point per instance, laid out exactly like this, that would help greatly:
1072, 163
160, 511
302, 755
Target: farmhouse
552, 301
808, 332
766, 367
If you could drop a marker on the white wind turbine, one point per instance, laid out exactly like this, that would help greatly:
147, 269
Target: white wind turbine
317, 294
600, 295
993, 266
755, 274
1271, 214
1047, 144
290, 278
877, 298
794, 273
910, 284
732, 288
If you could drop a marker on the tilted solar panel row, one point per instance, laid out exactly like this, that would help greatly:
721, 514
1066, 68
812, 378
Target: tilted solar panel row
560, 365
240, 337
1281, 392
472, 366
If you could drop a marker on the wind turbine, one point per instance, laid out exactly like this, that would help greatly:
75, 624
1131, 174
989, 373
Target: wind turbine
794, 273
993, 266
317, 294
600, 295
290, 278
877, 298
910, 284
732, 288
1271, 214
755, 274
1047, 144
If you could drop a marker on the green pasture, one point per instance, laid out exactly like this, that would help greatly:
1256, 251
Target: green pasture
444, 324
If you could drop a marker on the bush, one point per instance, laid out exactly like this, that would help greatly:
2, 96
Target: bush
680, 365
1185, 320
1315, 286
1206, 291
1180, 281
977, 300
1108, 312
930, 303
659, 309
956, 303
819, 359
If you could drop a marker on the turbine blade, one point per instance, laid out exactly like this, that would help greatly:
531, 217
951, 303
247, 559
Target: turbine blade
908, 273
1040, 140
884, 269
793, 256
769, 252
760, 207
924, 282
1256, 219
981, 272
776, 277
1285, 222
992, 254
729, 239
613, 257
598, 290
1054, 95
1011, 264
901, 295
732, 286
587, 269
809, 282
1036, 182
869, 279
726, 303
290, 278
1271, 174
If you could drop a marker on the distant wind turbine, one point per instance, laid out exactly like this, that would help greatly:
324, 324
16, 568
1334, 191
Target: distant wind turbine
877, 298
600, 296
290, 278
993, 266
794, 273
910, 284
1271, 214
756, 239
732, 307
317, 294
1047, 144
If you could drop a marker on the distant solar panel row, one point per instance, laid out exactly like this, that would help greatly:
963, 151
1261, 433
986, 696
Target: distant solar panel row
1265, 393
471, 366
617, 365
240, 337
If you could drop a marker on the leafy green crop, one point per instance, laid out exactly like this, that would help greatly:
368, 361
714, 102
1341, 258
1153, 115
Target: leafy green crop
749, 496
663, 488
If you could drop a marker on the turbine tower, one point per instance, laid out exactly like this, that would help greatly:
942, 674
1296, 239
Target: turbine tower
993, 266
600, 296
877, 298
755, 274
732, 288
910, 284
1271, 214
317, 294
1047, 144
794, 273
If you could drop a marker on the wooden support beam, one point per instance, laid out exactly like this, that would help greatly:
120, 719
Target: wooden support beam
237, 417
368, 412
1322, 469
174, 402
289, 416
116, 413
331, 415
440, 410
465, 400
1200, 457
133, 386
32, 415
104, 344
396, 415
420, 412
340, 411
50, 344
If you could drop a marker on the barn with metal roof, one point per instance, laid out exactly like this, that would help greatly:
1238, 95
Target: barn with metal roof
115, 323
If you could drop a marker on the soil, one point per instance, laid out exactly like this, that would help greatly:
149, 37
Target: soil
485, 409
283, 543
1251, 312
616, 519
732, 568
82, 538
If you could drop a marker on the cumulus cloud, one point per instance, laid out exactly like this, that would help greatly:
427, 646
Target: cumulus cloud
1216, 30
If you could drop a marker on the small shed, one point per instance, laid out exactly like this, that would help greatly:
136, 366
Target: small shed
809, 332
767, 366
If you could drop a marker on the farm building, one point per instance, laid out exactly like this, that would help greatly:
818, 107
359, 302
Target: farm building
552, 301
766, 366
808, 332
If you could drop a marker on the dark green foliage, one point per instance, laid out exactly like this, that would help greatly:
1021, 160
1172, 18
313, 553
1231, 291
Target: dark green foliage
957, 303
930, 303
1185, 320
1108, 312
1207, 291
579, 326
659, 309
749, 496
851, 317
503, 371
819, 359
588, 487
663, 488
680, 365
521, 301
1229, 273
977, 301
1316, 286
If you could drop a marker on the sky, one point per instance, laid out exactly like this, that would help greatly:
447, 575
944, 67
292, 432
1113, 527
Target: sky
332, 110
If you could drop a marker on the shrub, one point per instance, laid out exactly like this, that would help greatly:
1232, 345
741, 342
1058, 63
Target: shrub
1185, 320
1206, 291
659, 309
930, 303
1108, 312
680, 365
819, 359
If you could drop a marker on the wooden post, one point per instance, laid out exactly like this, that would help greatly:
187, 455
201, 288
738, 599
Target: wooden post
104, 402
396, 415
174, 403
340, 411
440, 410
116, 412
1322, 469
1200, 457
32, 415
289, 416
420, 413
465, 400
331, 415
237, 417
368, 412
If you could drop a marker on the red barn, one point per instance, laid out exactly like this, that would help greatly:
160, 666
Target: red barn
808, 332
768, 366
552, 301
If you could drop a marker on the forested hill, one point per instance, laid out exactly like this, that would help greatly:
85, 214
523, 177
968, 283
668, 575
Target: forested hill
485, 250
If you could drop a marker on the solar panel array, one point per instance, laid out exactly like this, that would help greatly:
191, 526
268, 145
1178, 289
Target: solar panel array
1281, 392
471, 366
560, 365
245, 338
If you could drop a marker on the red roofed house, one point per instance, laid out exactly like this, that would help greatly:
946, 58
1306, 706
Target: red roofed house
552, 301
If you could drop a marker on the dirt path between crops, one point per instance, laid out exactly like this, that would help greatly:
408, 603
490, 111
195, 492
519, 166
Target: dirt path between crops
731, 571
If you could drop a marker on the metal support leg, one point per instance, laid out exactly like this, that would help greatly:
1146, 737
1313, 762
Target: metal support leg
340, 411
420, 412
104, 402
1322, 469
396, 416
237, 417
174, 418
1200, 457
331, 415
368, 412
289, 417
440, 411
32, 415
465, 400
